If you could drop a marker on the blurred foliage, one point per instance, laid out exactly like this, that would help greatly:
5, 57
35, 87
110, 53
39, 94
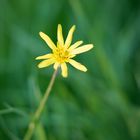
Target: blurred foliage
102, 104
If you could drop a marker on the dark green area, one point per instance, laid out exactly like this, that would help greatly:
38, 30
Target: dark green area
101, 104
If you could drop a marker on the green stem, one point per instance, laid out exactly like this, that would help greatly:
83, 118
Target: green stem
40, 108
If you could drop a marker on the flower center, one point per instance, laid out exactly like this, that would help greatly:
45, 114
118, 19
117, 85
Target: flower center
61, 54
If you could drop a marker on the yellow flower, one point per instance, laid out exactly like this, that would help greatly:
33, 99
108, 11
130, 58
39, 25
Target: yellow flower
63, 52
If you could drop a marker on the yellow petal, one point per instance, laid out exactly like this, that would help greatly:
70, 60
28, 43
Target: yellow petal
64, 70
44, 56
47, 40
82, 49
75, 45
45, 63
77, 65
60, 35
56, 65
72, 55
69, 36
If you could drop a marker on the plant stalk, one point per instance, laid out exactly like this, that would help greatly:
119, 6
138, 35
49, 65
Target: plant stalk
37, 114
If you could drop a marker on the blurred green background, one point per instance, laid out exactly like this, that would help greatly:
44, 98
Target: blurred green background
101, 104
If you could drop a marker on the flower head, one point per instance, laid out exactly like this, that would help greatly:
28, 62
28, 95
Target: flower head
63, 52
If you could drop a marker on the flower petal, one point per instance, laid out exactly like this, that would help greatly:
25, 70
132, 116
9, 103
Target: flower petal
72, 55
44, 56
46, 63
56, 65
75, 45
77, 65
69, 36
82, 49
60, 35
47, 40
64, 70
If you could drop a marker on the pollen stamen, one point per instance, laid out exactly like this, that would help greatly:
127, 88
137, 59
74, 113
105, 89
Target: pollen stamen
61, 54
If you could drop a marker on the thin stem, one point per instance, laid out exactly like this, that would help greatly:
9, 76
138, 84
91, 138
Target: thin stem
40, 108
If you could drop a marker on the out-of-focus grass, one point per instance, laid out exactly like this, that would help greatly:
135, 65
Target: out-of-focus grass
102, 104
